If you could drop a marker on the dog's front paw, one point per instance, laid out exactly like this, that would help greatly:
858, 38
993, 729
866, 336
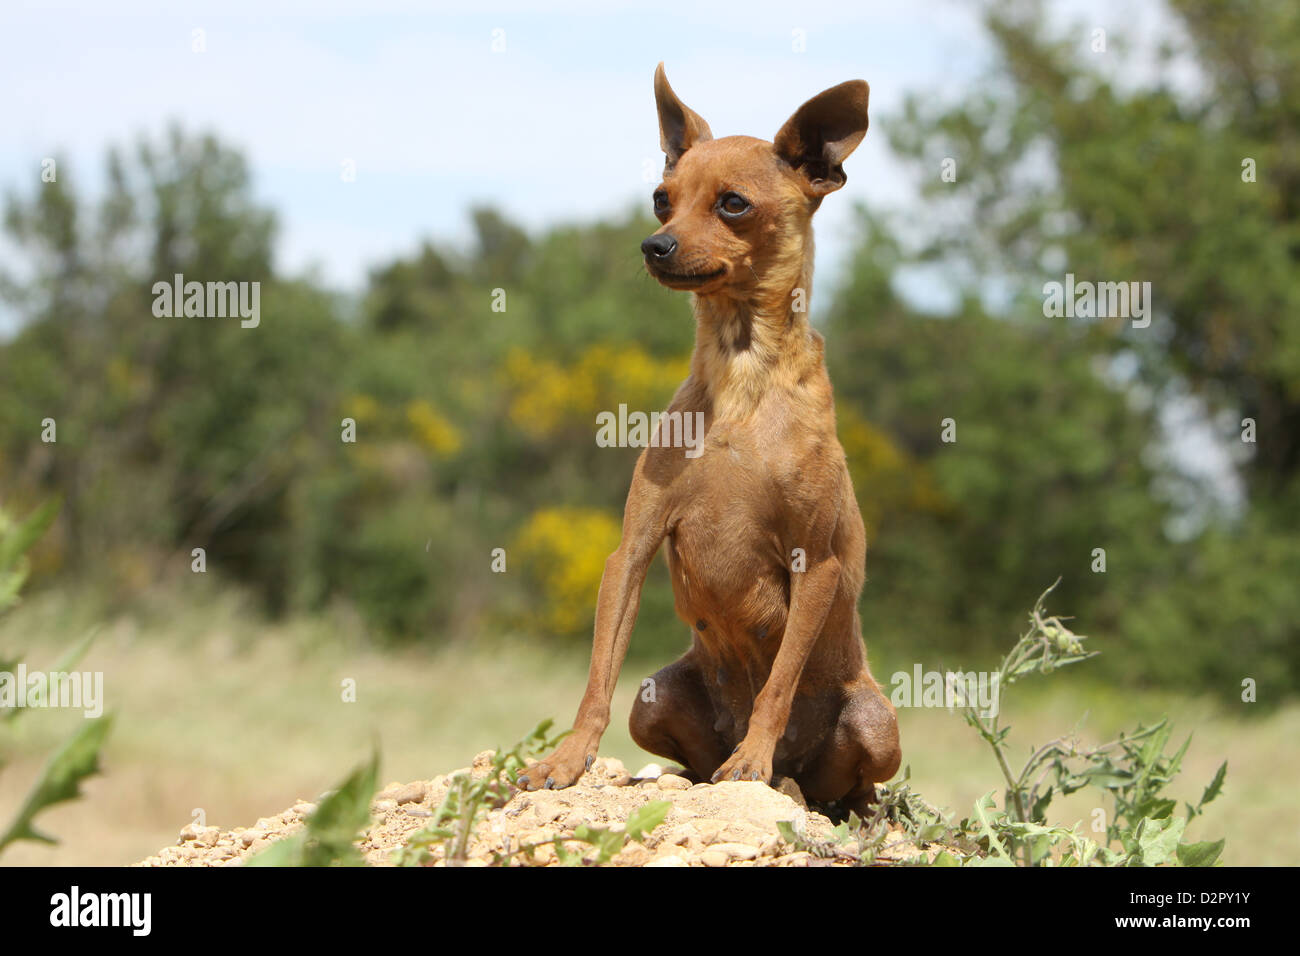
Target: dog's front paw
745, 765
555, 772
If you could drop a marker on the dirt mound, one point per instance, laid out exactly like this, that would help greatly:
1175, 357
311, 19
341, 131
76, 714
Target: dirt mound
724, 824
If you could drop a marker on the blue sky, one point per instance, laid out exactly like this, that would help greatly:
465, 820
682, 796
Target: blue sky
559, 125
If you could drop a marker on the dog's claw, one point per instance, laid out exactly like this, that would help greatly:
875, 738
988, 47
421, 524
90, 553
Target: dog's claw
754, 776
591, 758
735, 775
550, 783
522, 783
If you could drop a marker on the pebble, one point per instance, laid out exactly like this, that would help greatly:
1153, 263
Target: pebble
669, 860
791, 789
670, 781
714, 858
735, 851
403, 793
708, 829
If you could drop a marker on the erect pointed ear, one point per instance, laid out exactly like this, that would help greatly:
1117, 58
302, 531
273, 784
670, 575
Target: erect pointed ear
680, 127
822, 133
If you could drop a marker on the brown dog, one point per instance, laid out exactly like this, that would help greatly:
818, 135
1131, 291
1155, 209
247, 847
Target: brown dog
765, 543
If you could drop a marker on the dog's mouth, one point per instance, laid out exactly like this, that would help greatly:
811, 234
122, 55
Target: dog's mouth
684, 280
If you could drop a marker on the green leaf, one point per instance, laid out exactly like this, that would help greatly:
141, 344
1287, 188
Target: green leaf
15, 544
60, 781
985, 811
286, 852
1199, 854
331, 830
1157, 840
1215, 787
645, 818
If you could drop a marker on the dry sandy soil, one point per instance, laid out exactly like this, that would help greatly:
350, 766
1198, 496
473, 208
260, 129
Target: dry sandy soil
725, 824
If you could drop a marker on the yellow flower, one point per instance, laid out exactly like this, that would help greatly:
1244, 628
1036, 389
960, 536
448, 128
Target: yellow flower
432, 429
886, 477
360, 407
565, 550
548, 396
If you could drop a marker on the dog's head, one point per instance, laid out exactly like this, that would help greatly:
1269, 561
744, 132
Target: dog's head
736, 208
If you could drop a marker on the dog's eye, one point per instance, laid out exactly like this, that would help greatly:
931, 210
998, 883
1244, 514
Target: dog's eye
662, 205
733, 204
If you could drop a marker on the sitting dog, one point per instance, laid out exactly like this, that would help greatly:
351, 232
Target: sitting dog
762, 533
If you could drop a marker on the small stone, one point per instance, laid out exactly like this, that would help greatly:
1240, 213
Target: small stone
670, 860
735, 851
411, 793
683, 834
650, 771
670, 781
384, 806
634, 854
791, 789
708, 829
713, 858
248, 836
614, 766
188, 832
207, 836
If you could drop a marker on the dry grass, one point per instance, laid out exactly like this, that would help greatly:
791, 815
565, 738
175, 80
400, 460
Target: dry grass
219, 712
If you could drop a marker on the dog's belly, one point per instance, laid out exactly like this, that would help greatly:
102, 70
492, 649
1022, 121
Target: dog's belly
729, 587
732, 593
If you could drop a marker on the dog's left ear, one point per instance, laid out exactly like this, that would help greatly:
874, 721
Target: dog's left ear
822, 133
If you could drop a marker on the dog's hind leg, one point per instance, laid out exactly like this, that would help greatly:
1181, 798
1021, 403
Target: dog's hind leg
863, 751
674, 717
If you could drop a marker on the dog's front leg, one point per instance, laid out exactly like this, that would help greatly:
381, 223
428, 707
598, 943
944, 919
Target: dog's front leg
616, 609
811, 594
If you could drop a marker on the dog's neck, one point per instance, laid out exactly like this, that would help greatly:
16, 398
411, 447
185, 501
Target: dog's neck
744, 347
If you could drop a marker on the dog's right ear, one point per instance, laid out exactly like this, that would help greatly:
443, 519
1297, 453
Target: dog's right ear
680, 127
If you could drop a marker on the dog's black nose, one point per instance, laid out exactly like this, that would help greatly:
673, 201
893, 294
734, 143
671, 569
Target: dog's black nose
661, 246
